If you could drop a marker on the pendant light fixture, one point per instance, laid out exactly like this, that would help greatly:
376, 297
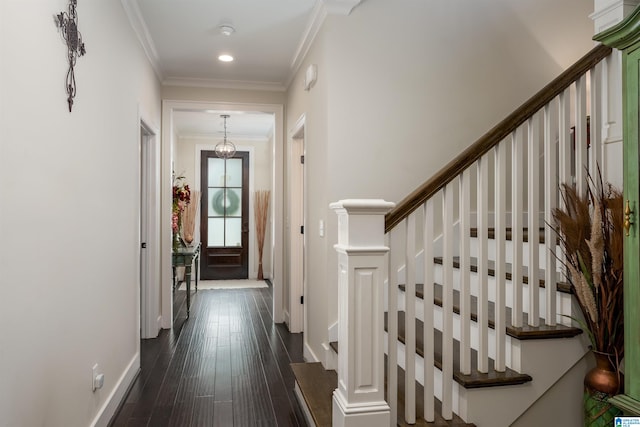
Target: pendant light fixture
225, 149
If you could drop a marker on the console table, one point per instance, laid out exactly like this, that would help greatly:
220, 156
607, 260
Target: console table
185, 257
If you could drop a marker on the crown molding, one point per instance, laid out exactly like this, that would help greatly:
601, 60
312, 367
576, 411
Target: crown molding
225, 84
139, 26
318, 15
237, 139
320, 11
340, 7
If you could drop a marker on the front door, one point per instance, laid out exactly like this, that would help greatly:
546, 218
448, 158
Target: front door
224, 224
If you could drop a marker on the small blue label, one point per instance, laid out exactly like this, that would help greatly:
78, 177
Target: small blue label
627, 421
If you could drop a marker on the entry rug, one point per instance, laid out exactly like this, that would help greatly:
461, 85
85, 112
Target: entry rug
229, 284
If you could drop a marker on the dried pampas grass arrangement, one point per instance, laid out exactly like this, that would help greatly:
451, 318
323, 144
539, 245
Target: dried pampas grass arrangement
591, 235
189, 217
261, 210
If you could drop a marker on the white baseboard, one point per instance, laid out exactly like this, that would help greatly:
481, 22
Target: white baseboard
287, 319
308, 354
330, 357
303, 405
333, 332
119, 392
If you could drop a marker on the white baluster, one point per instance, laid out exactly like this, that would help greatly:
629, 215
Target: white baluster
550, 203
517, 223
428, 339
359, 398
465, 273
447, 301
395, 259
581, 135
500, 212
564, 139
410, 322
533, 209
595, 114
483, 287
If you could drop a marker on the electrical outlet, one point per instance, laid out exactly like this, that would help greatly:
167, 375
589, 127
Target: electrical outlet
97, 378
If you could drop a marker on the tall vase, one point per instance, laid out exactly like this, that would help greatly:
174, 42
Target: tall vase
600, 383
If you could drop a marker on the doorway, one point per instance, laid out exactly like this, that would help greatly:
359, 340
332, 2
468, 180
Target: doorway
297, 217
276, 233
224, 220
149, 219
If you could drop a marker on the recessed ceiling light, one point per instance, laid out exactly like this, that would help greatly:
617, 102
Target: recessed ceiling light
225, 58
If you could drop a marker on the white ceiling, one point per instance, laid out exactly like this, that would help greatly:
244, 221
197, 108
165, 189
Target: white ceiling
184, 39
240, 125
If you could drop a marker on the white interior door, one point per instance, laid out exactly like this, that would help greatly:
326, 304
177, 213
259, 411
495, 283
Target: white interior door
296, 230
149, 250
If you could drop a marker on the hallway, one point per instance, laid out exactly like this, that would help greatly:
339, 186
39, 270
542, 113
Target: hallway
228, 365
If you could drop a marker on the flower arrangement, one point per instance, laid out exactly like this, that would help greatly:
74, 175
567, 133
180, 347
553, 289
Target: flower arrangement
181, 198
590, 229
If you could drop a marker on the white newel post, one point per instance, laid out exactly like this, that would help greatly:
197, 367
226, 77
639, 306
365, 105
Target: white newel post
359, 399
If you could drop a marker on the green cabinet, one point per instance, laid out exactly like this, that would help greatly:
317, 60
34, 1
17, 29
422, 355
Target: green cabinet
626, 37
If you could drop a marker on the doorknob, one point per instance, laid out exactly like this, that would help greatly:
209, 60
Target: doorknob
628, 222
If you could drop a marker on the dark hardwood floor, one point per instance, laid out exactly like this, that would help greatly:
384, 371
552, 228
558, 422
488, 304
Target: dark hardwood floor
227, 365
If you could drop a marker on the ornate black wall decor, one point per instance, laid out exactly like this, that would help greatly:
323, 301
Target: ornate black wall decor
68, 23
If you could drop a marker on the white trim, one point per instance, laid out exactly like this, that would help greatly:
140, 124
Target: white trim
139, 26
286, 317
330, 357
318, 15
225, 84
198, 178
307, 354
303, 405
296, 184
277, 207
119, 392
341, 7
149, 291
236, 137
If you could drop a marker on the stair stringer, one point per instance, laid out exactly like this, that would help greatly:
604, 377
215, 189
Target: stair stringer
330, 356
501, 406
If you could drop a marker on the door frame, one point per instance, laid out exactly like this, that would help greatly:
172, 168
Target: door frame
276, 207
149, 221
297, 218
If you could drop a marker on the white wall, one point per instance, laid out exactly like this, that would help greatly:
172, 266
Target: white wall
69, 210
314, 105
405, 86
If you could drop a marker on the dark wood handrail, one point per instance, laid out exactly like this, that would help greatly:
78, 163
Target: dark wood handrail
494, 136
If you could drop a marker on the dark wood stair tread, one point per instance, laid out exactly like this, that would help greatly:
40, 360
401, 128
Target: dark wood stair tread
473, 266
476, 379
491, 233
317, 386
438, 421
524, 332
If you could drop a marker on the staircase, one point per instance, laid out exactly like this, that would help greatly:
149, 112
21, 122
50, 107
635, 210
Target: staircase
452, 304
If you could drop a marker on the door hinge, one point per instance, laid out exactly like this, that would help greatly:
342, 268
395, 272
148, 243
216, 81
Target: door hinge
302, 229
302, 159
301, 299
